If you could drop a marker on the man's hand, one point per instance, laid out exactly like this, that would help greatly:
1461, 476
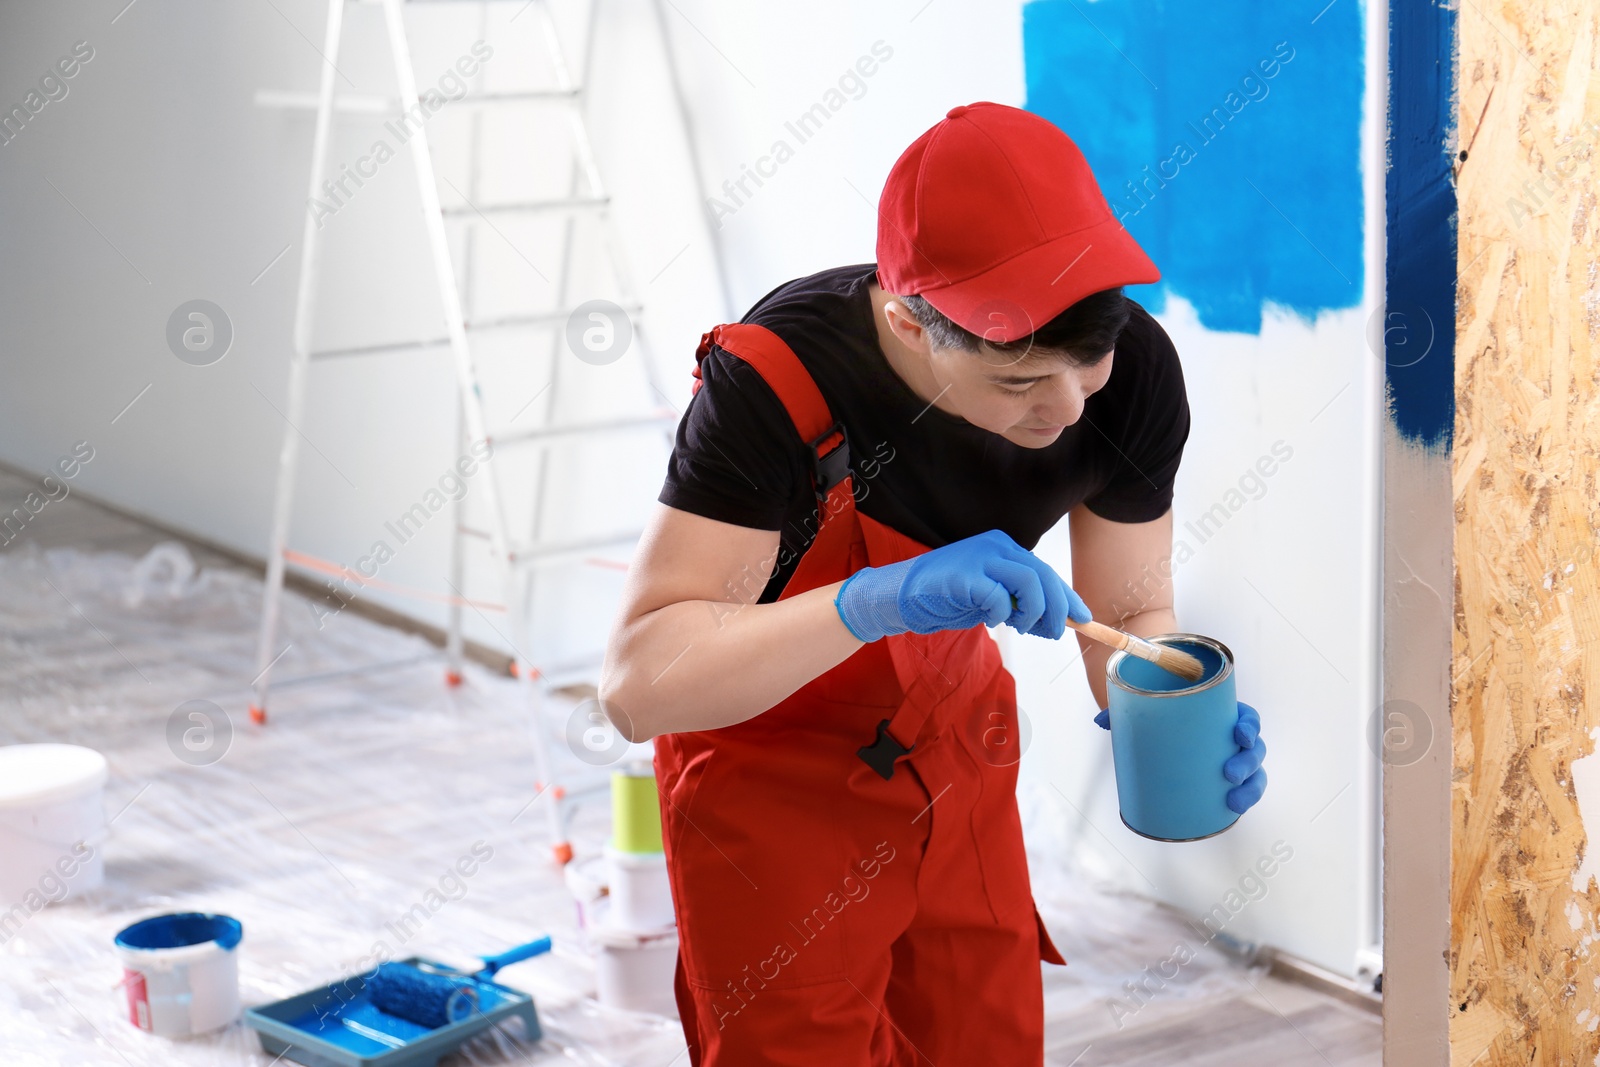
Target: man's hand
988, 578
1243, 767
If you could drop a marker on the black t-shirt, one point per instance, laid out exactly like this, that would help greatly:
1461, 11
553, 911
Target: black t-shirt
929, 474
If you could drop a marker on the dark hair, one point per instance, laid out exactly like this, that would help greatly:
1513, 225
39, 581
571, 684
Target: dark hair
1083, 333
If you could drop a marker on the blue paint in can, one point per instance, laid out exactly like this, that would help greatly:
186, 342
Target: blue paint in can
1169, 740
180, 930
181, 972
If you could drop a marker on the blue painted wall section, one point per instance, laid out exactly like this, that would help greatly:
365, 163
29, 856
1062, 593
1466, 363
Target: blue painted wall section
1225, 135
1420, 204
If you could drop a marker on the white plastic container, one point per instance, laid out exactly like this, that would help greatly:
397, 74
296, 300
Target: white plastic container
588, 881
641, 894
52, 823
634, 969
634, 963
181, 972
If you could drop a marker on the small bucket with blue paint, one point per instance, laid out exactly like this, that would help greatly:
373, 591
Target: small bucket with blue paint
181, 972
1169, 740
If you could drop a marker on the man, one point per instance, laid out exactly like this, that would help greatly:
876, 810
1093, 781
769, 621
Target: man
853, 489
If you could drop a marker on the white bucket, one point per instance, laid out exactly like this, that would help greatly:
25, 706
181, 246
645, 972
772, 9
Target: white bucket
588, 881
52, 824
634, 969
641, 894
181, 972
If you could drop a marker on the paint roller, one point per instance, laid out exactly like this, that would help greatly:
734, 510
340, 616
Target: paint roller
433, 996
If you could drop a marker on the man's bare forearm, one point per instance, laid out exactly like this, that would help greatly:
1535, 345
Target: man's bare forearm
1144, 624
702, 664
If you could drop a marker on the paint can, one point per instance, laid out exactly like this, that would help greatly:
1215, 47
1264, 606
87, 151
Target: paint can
641, 894
634, 962
635, 809
52, 823
1169, 740
588, 880
634, 969
181, 972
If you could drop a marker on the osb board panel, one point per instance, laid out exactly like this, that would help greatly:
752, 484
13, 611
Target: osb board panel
1525, 972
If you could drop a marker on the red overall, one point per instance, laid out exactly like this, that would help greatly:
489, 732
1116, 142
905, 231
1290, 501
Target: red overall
828, 914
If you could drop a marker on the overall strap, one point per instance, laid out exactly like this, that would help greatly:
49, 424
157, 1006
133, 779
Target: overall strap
787, 377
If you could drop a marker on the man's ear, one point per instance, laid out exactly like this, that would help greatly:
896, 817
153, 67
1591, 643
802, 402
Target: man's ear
905, 326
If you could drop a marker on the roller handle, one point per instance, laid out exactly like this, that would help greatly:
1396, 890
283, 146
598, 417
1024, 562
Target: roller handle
492, 964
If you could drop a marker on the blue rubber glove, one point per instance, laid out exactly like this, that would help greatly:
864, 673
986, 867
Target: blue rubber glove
958, 586
1243, 767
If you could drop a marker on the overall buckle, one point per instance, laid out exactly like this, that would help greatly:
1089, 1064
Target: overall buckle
829, 470
881, 754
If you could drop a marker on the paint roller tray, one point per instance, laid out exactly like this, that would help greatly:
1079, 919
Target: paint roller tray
323, 1027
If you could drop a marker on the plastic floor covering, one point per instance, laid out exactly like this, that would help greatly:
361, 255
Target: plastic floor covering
334, 827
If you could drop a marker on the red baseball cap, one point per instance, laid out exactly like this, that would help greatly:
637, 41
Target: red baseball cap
994, 217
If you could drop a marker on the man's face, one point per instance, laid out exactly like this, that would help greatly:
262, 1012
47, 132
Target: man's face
1028, 400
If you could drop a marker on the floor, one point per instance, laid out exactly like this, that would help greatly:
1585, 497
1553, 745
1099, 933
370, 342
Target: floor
321, 830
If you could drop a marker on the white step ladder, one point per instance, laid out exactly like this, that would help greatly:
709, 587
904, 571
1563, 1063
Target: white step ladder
516, 561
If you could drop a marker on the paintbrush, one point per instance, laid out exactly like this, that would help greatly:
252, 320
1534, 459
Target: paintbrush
1174, 660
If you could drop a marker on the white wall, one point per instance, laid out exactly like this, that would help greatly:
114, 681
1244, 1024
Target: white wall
180, 187
1290, 584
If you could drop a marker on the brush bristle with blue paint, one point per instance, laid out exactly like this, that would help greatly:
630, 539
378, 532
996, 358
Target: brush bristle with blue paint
435, 997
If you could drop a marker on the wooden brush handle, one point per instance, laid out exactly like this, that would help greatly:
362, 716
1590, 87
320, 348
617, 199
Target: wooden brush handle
1168, 659
1108, 635
1099, 631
